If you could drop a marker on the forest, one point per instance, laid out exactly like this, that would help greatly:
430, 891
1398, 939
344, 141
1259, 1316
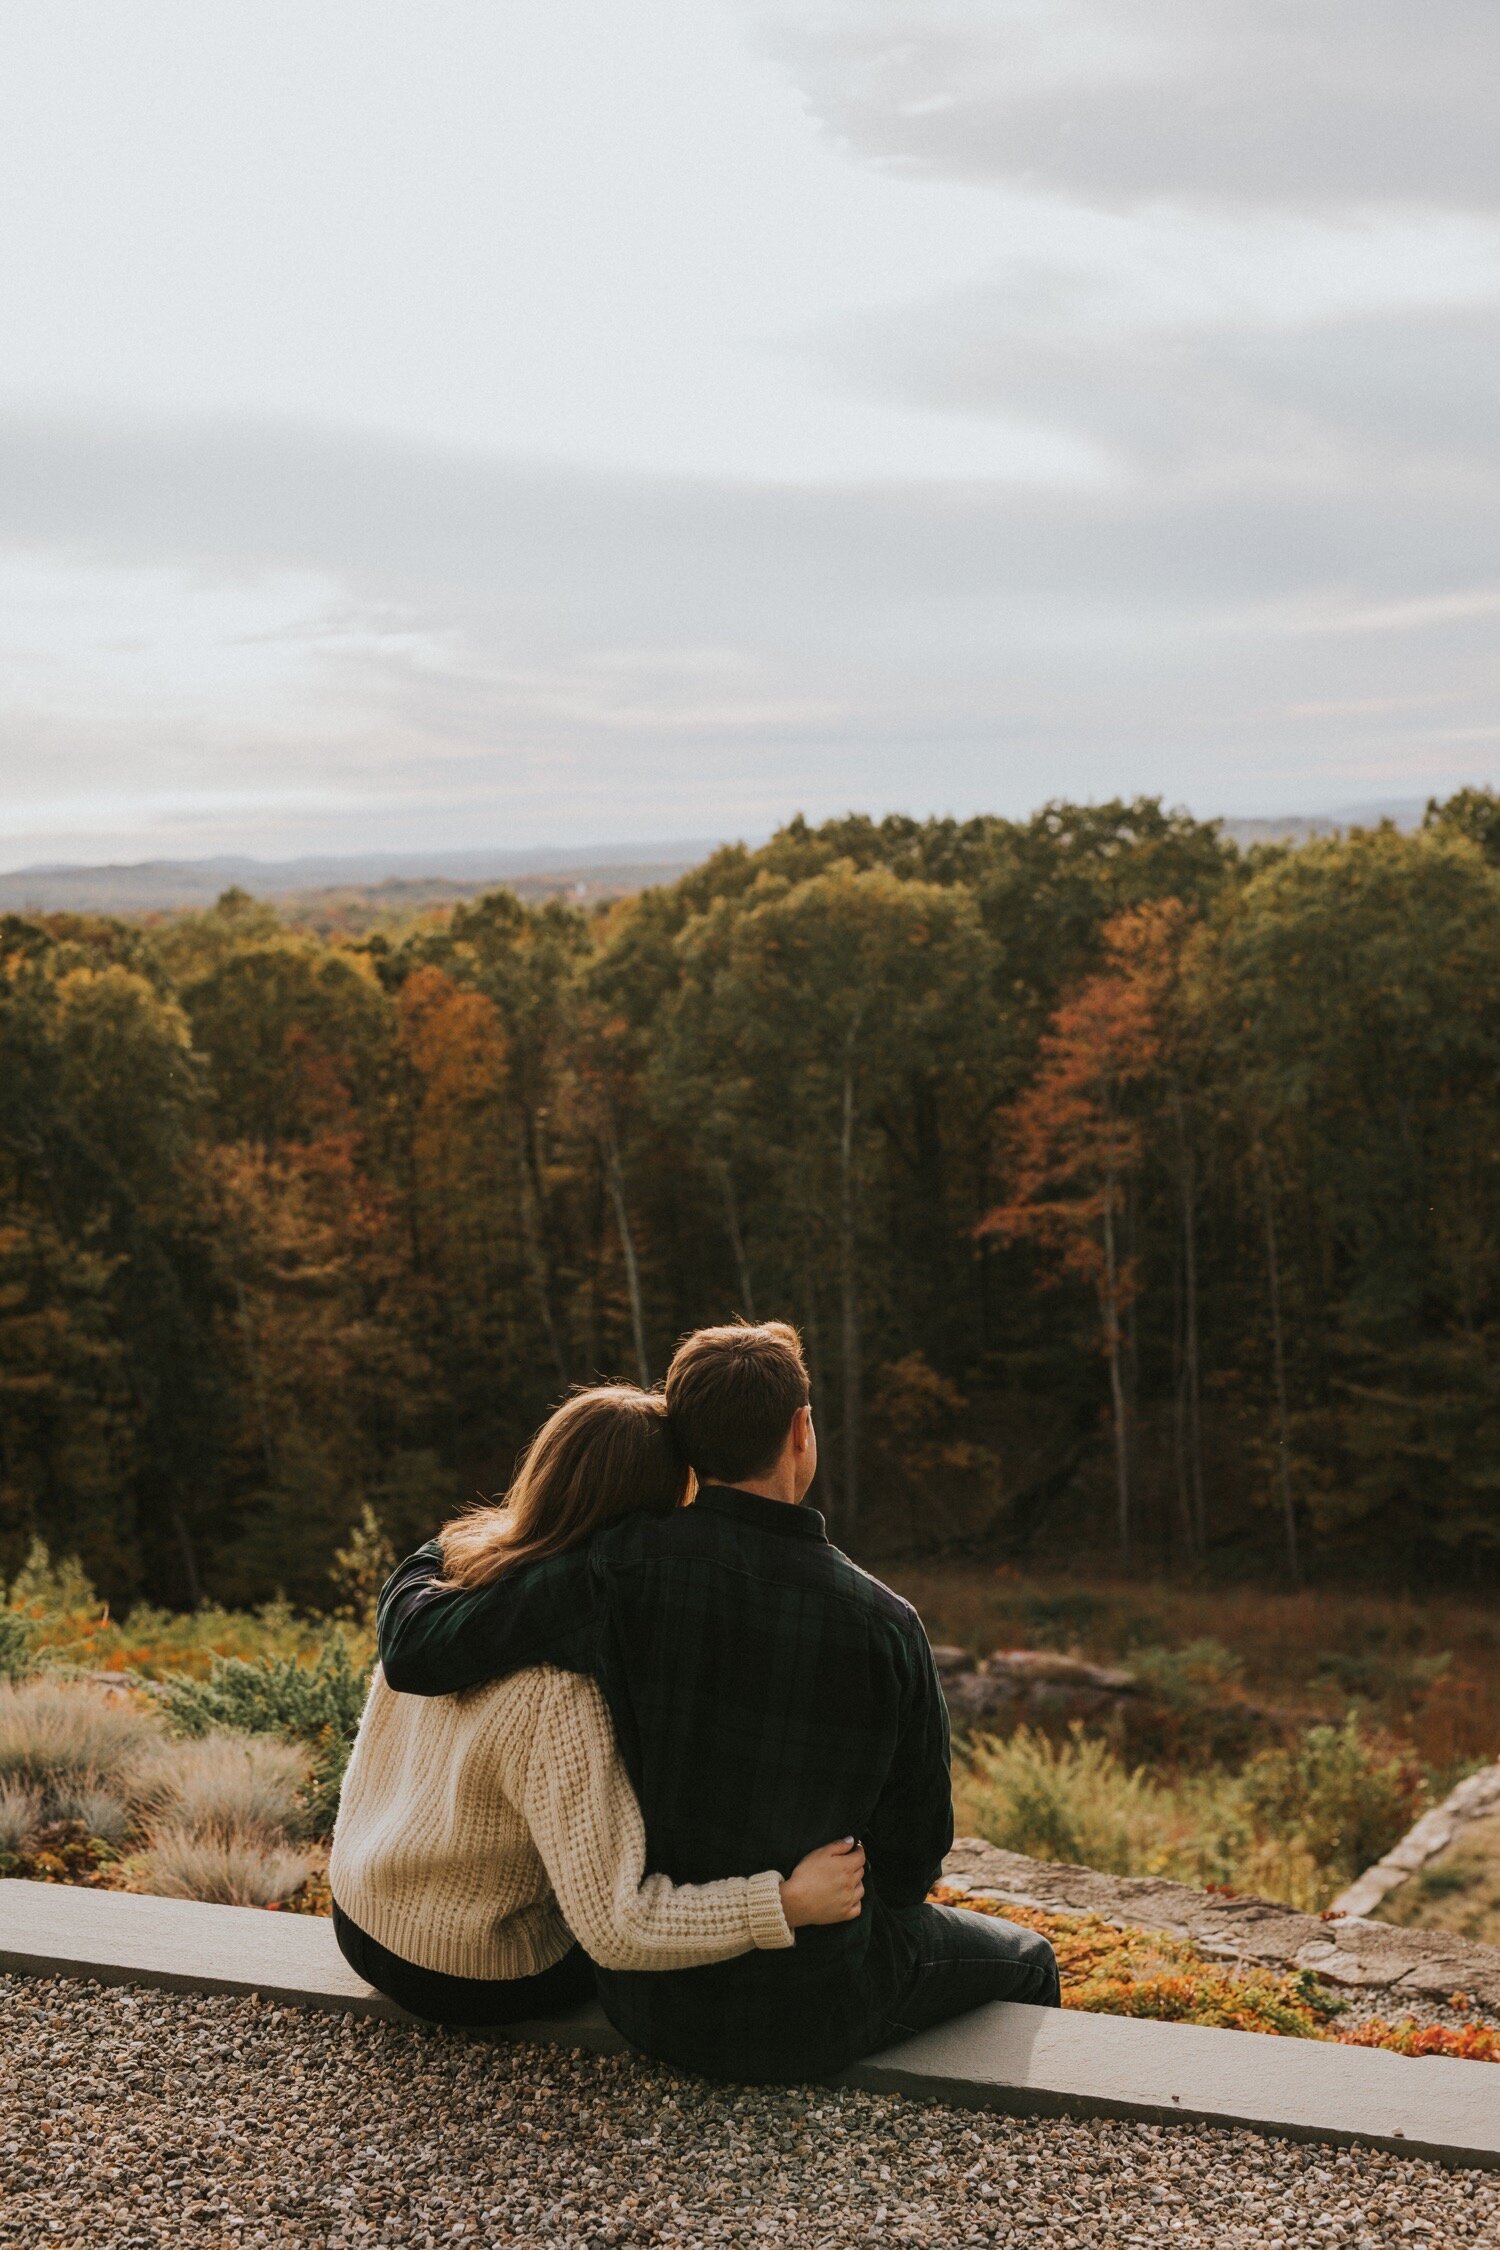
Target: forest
1138, 1199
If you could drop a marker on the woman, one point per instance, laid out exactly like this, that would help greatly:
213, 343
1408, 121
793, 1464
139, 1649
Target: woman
489, 1847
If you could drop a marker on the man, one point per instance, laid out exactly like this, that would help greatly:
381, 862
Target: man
767, 1695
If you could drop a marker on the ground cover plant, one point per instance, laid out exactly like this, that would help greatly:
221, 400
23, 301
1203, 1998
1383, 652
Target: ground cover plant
1125, 1972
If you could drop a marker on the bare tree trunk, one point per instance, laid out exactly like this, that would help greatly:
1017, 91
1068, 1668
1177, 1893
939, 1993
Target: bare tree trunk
1179, 1412
186, 1549
536, 1258
1278, 1359
849, 1296
1111, 1310
1188, 1184
737, 1242
615, 1175
1130, 1356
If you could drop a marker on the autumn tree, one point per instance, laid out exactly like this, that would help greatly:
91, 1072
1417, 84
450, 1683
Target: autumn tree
1075, 1141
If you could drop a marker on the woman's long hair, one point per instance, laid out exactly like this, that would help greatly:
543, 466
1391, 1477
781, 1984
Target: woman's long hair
605, 1453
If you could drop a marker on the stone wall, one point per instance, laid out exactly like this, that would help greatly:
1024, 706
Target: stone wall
1400, 1966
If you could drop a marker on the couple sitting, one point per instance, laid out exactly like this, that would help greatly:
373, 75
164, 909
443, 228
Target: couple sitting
593, 1679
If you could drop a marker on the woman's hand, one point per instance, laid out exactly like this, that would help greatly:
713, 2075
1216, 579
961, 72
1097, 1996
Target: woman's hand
827, 1886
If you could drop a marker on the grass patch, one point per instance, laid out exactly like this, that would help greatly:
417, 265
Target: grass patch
59, 1740
264, 1673
247, 1786
1459, 1891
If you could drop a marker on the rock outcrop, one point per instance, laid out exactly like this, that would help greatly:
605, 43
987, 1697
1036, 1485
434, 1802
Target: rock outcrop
1030, 1683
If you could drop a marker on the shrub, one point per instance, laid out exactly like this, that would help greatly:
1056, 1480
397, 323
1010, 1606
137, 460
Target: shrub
223, 1869
1184, 1677
18, 1638
65, 1623
245, 1785
1346, 1796
274, 1695
319, 1704
361, 1568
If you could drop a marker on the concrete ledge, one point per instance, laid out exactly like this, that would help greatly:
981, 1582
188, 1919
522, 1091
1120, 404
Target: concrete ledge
55, 1930
178, 1945
1058, 2062
1025, 2061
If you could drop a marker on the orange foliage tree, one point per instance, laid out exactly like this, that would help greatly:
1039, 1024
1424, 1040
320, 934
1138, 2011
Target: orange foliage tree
1075, 1139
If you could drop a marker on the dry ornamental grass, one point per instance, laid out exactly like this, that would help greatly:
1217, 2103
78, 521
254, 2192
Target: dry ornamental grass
96, 1790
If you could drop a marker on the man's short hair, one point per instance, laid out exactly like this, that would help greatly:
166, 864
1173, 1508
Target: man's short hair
731, 1395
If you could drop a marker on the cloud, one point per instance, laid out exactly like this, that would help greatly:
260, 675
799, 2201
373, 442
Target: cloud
1060, 396
1401, 394
421, 646
1289, 103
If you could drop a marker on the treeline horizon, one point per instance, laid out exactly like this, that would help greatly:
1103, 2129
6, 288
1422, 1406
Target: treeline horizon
1138, 1198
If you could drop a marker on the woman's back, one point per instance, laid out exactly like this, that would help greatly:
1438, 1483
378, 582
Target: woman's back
432, 1854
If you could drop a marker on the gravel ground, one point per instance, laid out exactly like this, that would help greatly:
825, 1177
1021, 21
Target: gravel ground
135, 2117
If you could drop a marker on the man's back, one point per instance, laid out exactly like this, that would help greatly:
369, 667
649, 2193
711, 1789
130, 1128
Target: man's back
769, 1697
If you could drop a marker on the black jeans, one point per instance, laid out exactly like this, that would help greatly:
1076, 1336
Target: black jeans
464, 2003
965, 1959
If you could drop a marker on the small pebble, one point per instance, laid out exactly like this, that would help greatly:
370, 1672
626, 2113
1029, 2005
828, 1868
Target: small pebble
131, 2118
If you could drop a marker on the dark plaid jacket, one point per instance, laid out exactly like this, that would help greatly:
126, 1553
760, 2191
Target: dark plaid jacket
768, 1697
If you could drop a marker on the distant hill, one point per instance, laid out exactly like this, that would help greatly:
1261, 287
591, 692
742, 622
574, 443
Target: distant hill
1300, 828
366, 887
394, 882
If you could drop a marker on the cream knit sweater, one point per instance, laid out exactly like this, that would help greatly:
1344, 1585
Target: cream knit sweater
478, 1834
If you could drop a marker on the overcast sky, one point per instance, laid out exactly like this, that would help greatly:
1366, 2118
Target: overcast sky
457, 422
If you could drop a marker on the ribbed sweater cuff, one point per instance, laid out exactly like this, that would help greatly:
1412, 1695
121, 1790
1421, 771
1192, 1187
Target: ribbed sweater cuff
768, 1925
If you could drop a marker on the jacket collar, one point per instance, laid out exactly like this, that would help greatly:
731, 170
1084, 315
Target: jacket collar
761, 1514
